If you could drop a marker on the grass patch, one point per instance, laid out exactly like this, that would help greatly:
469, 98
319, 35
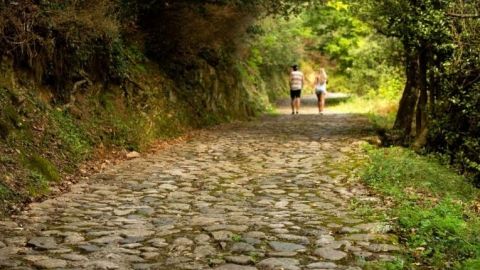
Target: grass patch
237, 238
433, 206
381, 112
71, 135
37, 184
42, 167
5, 193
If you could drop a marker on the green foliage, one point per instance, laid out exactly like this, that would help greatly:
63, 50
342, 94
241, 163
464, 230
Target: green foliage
405, 169
446, 46
42, 168
338, 32
432, 205
365, 62
73, 138
395, 265
237, 238
5, 193
279, 44
37, 184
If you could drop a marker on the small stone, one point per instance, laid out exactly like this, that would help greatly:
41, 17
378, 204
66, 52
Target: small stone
150, 255
242, 248
132, 240
123, 212
50, 263
202, 238
382, 247
43, 243
145, 211
234, 267
376, 227
158, 242
363, 254
325, 240
295, 238
330, 254
136, 233
146, 266
106, 240
222, 235
182, 241
74, 257
349, 230
239, 259
2, 245
103, 265
177, 260
254, 234
133, 155
167, 187
204, 251
284, 246
203, 221
282, 254
132, 245
60, 251
17, 241
73, 238
279, 263
252, 241
88, 248
322, 265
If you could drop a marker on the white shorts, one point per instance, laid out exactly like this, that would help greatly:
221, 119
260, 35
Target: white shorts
321, 89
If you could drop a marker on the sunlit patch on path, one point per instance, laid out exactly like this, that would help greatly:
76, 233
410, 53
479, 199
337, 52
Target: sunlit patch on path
268, 194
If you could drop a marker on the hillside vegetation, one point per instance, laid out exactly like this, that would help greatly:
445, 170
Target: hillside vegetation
80, 79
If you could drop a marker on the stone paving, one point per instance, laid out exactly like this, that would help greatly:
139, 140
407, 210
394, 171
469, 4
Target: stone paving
267, 195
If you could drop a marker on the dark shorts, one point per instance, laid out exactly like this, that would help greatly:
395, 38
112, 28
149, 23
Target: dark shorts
295, 94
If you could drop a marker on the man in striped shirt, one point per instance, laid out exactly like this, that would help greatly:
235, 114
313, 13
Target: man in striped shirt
296, 85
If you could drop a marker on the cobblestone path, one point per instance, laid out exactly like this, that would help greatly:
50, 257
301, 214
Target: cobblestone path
268, 194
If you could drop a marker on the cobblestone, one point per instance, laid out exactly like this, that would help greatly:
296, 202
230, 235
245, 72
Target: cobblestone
267, 194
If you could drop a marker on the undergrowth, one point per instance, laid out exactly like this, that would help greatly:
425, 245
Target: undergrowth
434, 208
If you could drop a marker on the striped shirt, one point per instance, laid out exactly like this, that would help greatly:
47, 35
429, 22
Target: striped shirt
296, 80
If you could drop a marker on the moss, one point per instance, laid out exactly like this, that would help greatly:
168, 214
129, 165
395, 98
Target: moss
42, 167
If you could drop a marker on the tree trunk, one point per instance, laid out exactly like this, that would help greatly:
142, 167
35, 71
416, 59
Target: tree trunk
406, 110
422, 111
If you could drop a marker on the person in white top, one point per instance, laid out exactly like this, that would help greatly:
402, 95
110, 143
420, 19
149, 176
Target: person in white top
321, 88
296, 86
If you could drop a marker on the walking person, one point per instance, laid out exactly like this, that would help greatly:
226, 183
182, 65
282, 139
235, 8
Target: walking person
321, 89
296, 85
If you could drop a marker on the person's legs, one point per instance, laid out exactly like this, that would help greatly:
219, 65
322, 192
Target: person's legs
322, 101
319, 101
292, 103
298, 104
